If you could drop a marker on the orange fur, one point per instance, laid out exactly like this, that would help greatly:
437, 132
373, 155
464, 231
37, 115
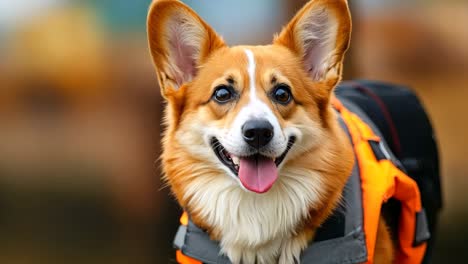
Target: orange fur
327, 153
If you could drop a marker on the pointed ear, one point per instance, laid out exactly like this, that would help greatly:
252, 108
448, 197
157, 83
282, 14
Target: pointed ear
319, 34
179, 42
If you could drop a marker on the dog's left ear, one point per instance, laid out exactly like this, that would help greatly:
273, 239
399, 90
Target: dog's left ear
179, 41
319, 34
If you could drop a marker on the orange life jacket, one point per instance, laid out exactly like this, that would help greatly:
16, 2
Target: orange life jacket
374, 181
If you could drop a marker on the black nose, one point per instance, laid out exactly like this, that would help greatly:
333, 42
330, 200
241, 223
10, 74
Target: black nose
257, 133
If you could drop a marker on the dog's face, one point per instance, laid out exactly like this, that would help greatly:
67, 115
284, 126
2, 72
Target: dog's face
239, 117
248, 111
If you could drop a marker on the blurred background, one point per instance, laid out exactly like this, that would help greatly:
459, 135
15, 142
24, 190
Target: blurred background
80, 117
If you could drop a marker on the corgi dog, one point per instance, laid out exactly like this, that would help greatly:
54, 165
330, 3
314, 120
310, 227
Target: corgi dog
252, 150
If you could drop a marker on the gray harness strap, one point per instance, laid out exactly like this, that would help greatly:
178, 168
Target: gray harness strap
351, 248
198, 245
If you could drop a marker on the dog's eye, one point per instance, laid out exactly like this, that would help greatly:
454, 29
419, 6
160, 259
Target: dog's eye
282, 94
223, 94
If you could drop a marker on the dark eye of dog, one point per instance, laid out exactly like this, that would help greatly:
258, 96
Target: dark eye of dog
282, 94
223, 94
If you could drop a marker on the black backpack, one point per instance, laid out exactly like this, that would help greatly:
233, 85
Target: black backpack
403, 123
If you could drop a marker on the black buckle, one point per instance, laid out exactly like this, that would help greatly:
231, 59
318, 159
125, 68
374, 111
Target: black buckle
379, 150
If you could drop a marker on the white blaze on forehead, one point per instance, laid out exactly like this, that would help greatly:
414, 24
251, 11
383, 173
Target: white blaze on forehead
256, 108
251, 71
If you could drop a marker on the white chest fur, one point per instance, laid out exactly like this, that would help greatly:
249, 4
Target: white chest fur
257, 226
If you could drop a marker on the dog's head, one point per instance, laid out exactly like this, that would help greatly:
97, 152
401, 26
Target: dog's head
239, 116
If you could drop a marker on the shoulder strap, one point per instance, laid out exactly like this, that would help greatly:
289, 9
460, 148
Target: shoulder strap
380, 181
350, 247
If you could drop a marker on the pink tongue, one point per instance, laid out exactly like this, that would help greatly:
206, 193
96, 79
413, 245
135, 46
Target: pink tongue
257, 174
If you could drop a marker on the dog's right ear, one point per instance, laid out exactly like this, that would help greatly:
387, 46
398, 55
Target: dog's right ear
179, 42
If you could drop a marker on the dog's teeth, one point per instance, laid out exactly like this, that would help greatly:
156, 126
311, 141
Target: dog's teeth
235, 159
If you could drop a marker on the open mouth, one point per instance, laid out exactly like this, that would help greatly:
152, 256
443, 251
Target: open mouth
257, 173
